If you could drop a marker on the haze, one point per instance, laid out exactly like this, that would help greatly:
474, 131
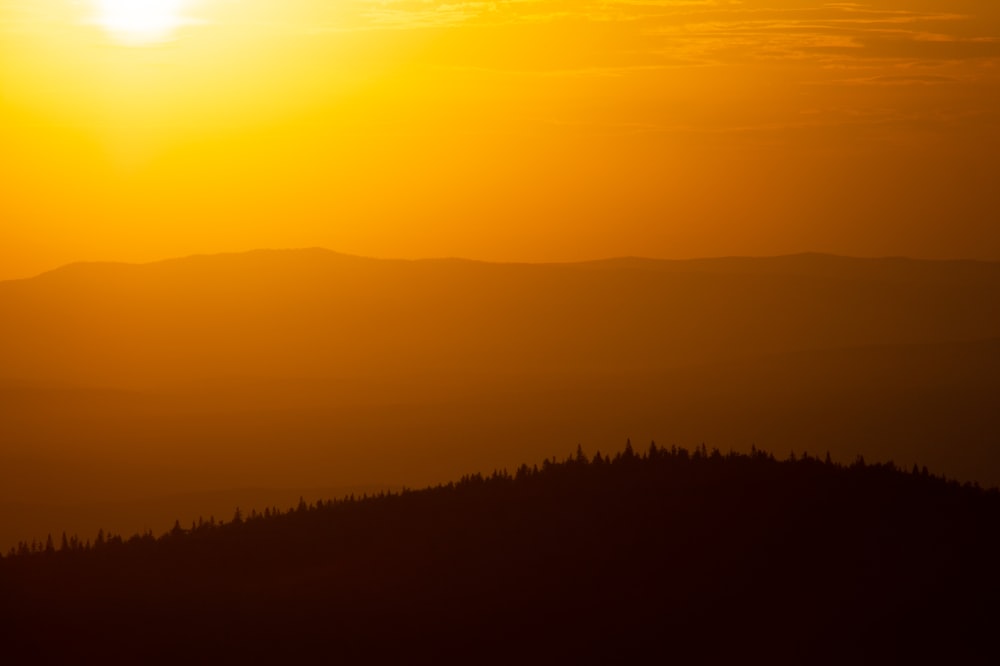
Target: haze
536, 131
196, 360
131, 395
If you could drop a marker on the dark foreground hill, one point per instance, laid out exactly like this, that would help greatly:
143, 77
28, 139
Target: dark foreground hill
666, 557
125, 386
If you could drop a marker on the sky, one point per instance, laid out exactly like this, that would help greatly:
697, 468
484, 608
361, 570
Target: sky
520, 130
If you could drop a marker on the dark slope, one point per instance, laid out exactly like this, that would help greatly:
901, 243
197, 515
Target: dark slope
304, 369
664, 558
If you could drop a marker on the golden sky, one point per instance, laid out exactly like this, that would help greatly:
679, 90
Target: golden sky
510, 130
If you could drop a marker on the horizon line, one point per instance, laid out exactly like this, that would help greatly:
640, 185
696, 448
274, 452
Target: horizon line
471, 260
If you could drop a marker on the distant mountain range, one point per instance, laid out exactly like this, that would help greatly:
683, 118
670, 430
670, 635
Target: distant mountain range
307, 368
317, 314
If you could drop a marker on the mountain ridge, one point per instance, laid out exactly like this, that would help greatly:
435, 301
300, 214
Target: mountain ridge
294, 369
653, 552
743, 261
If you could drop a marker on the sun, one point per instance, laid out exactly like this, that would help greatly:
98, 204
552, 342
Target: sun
140, 21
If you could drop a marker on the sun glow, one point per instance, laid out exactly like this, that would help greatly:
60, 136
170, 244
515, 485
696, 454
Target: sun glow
140, 21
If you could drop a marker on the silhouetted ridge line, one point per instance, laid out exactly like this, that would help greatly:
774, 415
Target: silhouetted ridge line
692, 554
785, 263
675, 456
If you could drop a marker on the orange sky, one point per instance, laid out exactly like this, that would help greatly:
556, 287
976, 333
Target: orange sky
517, 130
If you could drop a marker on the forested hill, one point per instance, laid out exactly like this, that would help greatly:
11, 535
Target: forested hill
660, 557
124, 386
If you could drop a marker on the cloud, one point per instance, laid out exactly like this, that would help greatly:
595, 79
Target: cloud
894, 41
658, 33
903, 80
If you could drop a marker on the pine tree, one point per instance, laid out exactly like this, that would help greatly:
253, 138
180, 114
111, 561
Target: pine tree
628, 453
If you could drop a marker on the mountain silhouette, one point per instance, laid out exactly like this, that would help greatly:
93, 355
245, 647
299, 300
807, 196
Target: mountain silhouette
319, 314
303, 369
653, 556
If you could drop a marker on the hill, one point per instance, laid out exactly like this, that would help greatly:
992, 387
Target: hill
317, 314
127, 386
663, 556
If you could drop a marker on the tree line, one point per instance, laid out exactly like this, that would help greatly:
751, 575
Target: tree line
660, 554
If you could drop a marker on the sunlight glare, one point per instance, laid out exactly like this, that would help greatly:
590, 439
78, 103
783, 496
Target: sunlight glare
140, 21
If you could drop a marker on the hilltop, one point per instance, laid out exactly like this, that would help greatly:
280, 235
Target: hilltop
122, 386
665, 555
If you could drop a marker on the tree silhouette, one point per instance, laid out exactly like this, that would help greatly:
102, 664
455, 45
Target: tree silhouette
636, 559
